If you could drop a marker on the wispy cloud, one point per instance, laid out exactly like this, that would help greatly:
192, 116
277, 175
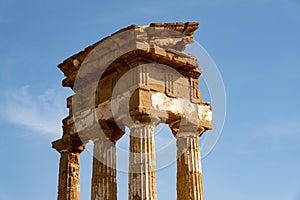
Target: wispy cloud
41, 113
283, 128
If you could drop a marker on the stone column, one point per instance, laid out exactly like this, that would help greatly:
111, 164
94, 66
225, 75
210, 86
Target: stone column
104, 183
69, 170
189, 172
142, 174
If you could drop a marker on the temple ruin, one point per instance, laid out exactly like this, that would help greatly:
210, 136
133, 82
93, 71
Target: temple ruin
138, 77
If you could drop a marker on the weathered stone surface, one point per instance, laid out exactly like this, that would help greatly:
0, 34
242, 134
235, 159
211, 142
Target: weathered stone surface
160, 45
189, 172
69, 168
137, 77
104, 183
69, 176
142, 174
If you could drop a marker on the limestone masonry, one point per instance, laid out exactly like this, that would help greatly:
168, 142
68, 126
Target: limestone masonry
138, 77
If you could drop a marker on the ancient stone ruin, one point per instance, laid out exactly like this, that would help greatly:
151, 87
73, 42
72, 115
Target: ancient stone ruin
138, 77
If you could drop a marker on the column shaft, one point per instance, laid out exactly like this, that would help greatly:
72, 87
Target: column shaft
189, 172
104, 184
69, 176
142, 174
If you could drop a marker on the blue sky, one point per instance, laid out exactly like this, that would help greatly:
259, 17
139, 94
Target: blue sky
255, 44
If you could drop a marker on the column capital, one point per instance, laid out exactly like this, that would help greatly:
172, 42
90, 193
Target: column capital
186, 129
190, 132
68, 143
140, 120
105, 130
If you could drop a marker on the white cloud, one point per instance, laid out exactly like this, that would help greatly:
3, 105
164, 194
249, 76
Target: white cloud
41, 113
283, 128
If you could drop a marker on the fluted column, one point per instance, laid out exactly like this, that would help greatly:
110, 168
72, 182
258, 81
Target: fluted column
189, 172
104, 184
69, 176
69, 169
142, 174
